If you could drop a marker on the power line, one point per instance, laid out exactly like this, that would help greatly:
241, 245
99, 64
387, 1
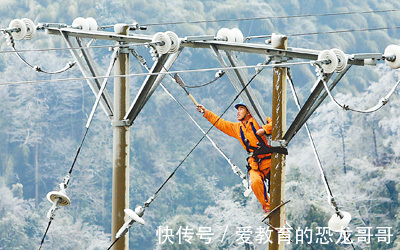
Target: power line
147, 203
271, 17
327, 32
205, 134
375, 108
60, 49
65, 183
146, 74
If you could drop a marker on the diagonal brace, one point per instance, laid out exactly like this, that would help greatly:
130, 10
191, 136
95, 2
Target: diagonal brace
142, 96
299, 120
248, 91
105, 101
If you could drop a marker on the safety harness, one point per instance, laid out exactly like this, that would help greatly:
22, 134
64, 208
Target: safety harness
261, 149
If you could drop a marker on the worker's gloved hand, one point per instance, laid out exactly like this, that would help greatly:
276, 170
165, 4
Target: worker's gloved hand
201, 108
268, 127
260, 132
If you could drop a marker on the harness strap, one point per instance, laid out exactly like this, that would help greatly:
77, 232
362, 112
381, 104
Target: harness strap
260, 140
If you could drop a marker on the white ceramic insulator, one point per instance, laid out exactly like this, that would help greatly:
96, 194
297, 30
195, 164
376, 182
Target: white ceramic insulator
342, 60
175, 42
328, 55
162, 37
338, 224
18, 24
390, 51
134, 216
226, 35
239, 38
30, 28
92, 23
81, 22
53, 195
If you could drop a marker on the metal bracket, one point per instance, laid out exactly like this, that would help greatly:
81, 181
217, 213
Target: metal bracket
277, 144
120, 123
124, 50
280, 59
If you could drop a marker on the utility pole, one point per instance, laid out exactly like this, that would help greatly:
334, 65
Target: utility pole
120, 183
277, 218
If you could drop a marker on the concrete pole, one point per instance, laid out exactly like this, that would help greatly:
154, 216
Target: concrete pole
277, 190
120, 182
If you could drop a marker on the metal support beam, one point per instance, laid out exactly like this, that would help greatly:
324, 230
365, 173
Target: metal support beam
324, 94
249, 91
168, 64
94, 84
278, 161
263, 49
245, 94
299, 120
144, 91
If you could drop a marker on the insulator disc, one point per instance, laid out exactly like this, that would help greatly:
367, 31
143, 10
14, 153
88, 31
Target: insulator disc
53, 195
133, 216
393, 50
226, 35
18, 24
81, 22
328, 55
338, 224
92, 23
239, 38
342, 60
162, 37
30, 28
175, 42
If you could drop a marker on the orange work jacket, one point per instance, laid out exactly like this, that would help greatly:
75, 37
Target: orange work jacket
233, 129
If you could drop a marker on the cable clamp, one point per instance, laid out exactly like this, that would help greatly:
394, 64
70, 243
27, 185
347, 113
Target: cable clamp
150, 200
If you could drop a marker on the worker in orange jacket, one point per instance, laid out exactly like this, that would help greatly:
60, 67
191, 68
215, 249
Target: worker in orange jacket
246, 131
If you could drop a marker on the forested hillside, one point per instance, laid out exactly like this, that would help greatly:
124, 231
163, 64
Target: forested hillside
42, 124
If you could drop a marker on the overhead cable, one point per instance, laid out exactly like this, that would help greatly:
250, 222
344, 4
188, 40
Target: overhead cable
65, 183
201, 139
61, 49
218, 75
326, 32
379, 105
11, 43
272, 17
331, 199
158, 73
235, 168
323, 175
151, 199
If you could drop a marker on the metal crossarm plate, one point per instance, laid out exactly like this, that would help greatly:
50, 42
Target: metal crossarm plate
147, 85
103, 35
198, 42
